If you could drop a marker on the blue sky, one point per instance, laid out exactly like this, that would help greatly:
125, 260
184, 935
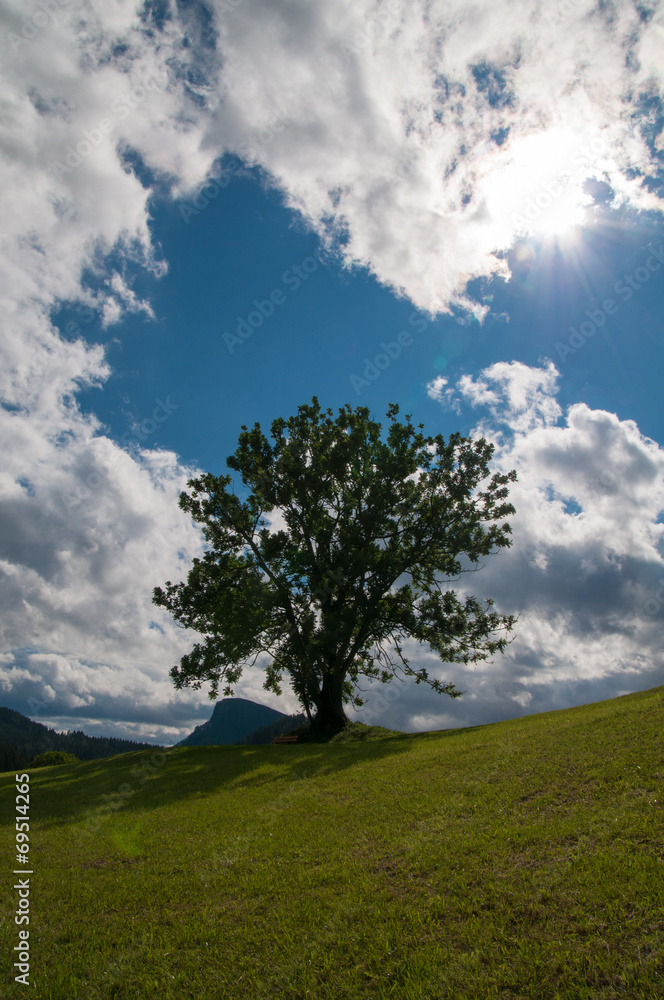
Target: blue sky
245, 245
471, 228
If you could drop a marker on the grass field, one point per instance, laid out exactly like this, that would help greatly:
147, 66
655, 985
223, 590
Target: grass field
518, 860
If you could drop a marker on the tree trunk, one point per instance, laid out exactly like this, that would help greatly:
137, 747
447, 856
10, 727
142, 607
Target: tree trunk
330, 716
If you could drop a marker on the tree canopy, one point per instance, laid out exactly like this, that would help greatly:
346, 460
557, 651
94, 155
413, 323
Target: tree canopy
369, 534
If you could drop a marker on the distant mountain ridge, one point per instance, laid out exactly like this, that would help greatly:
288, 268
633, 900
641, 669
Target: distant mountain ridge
232, 720
21, 739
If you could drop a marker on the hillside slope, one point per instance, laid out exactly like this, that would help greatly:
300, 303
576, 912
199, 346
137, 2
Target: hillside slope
521, 861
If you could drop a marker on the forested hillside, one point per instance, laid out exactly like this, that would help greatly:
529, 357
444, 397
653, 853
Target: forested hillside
21, 739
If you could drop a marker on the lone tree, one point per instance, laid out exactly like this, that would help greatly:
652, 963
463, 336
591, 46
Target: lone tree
371, 527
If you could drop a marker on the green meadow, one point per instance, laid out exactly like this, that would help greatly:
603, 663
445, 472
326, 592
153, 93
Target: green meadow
518, 860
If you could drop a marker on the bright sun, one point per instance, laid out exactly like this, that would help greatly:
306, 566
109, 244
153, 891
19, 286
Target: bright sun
537, 189
559, 216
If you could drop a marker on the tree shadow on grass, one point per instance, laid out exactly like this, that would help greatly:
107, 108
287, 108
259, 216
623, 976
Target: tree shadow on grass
90, 792
143, 780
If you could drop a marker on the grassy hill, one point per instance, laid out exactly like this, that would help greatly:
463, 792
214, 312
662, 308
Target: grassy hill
518, 860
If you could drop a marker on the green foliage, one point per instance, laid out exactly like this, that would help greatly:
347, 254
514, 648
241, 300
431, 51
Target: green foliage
375, 531
515, 861
11, 758
51, 757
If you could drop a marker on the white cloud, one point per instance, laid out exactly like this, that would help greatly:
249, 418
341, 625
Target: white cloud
417, 133
86, 529
423, 133
439, 390
587, 555
86, 532
522, 397
430, 136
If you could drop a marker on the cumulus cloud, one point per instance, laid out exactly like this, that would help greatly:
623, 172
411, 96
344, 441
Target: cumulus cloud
425, 137
515, 394
587, 561
440, 390
421, 138
86, 531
